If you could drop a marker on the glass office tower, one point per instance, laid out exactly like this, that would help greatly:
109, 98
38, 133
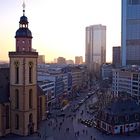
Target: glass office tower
95, 53
130, 32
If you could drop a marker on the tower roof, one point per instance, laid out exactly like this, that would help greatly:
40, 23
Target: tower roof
23, 30
23, 20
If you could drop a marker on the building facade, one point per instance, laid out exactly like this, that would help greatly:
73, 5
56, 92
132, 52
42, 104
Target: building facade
130, 32
125, 81
116, 56
23, 82
120, 117
41, 59
61, 60
22, 105
106, 71
95, 53
78, 60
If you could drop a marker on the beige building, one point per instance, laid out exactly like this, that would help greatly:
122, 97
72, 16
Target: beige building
61, 60
20, 103
78, 60
41, 59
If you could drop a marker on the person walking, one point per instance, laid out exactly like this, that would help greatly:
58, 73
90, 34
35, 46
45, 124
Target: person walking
83, 131
91, 137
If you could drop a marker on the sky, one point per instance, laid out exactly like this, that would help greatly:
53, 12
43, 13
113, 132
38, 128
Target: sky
58, 26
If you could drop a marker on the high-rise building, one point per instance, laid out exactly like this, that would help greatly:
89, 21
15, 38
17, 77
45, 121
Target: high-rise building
95, 54
61, 60
78, 60
69, 62
116, 56
23, 82
130, 32
41, 59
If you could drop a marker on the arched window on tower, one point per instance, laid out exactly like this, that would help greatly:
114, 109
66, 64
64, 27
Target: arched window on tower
30, 98
30, 118
30, 72
16, 72
17, 121
16, 98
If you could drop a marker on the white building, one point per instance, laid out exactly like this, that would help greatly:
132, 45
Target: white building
106, 71
126, 80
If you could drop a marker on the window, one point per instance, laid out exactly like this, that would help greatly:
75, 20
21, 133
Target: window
30, 98
136, 117
16, 72
127, 118
7, 116
40, 105
16, 98
30, 71
116, 119
134, 2
16, 121
30, 118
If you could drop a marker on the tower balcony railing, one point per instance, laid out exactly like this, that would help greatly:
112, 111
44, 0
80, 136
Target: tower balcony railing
23, 53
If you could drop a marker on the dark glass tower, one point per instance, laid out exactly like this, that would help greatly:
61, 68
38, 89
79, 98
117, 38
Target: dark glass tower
130, 32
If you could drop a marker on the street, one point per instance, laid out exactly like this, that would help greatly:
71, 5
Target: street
69, 128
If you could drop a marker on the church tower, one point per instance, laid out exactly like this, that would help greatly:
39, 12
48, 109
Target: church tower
23, 82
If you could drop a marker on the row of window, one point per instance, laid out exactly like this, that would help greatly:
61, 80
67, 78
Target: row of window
17, 99
17, 72
134, 2
17, 120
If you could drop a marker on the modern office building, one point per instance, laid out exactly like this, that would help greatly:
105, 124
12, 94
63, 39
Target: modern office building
116, 56
130, 32
95, 53
78, 60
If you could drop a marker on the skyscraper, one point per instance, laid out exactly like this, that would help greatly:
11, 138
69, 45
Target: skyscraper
95, 53
23, 82
130, 32
116, 61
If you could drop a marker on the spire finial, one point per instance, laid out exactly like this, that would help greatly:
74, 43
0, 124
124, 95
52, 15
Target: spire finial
23, 5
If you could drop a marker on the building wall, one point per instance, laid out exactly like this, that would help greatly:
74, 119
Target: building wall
130, 32
126, 81
78, 60
3, 121
24, 87
116, 56
95, 47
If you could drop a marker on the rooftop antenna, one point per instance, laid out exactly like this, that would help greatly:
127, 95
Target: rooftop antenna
23, 5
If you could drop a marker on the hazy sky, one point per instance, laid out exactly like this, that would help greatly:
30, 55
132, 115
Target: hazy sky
58, 26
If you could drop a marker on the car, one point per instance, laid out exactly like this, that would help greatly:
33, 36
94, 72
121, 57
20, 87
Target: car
61, 115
